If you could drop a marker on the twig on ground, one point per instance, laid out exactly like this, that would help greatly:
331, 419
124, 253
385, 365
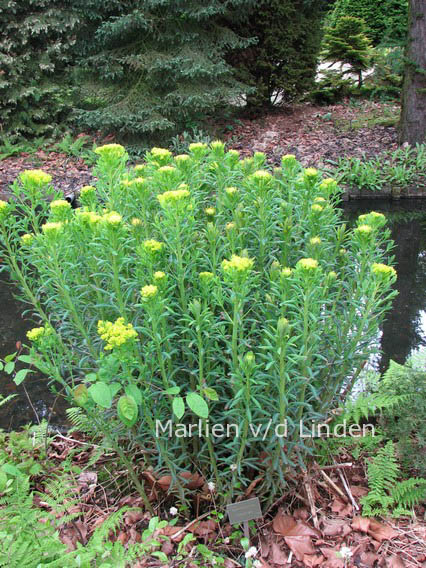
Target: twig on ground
334, 486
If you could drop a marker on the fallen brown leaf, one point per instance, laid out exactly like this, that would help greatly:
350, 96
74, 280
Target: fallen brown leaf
300, 545
278, 555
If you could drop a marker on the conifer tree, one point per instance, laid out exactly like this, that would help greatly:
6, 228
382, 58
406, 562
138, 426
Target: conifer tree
385, 20
157, 66
347, 43
36, 40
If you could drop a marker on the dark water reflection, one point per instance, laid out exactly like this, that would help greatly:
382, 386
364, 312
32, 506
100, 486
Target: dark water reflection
403, 332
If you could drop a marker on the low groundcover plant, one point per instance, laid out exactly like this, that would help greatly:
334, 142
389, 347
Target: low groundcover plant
199, 288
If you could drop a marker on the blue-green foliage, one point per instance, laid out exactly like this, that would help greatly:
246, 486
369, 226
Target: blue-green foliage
156, 67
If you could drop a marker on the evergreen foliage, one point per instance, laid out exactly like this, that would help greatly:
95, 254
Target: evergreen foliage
282, 62
157, 67
36, 38
347, 43
386, 21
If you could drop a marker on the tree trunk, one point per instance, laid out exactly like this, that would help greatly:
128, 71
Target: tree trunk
413, 114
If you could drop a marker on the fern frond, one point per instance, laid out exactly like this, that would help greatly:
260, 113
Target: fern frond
409, 492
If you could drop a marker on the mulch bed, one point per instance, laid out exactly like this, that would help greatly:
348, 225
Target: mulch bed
315, 134
306, 527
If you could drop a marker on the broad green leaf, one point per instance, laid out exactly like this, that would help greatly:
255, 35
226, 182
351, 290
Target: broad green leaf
81, 395
211, 394
20, 376
1, 366
178, 407
10, 357
101, 394
135, 392
9, 367
173, 390
197, 404
127, 410
115, 388
91, 377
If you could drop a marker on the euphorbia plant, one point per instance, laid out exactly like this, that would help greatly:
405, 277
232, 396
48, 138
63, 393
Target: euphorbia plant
204, 290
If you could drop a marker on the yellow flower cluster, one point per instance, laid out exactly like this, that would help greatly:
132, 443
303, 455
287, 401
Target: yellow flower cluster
307, 264
52, 229
320, 200
315, 241
89, 216
231, 190
167, 170
159, 276
173, 197
210, 211
383, 270
310, 173
230, 226
111, 151
140, 168
317, 208
87, 190
206, 276
364, 230
261, 175
288, 160
60, 205
182, 158
373, 218
148, 292
161, 153
27, 239
136, 222
4, 207
238, 264
35, 177
112, 218
286, 272
151, 245
116, 333
37, 333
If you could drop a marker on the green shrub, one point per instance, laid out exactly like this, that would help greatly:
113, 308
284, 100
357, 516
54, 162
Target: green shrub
281, 65
203, 288
36, 39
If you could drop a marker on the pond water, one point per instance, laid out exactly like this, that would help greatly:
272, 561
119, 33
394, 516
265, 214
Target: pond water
403, 332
